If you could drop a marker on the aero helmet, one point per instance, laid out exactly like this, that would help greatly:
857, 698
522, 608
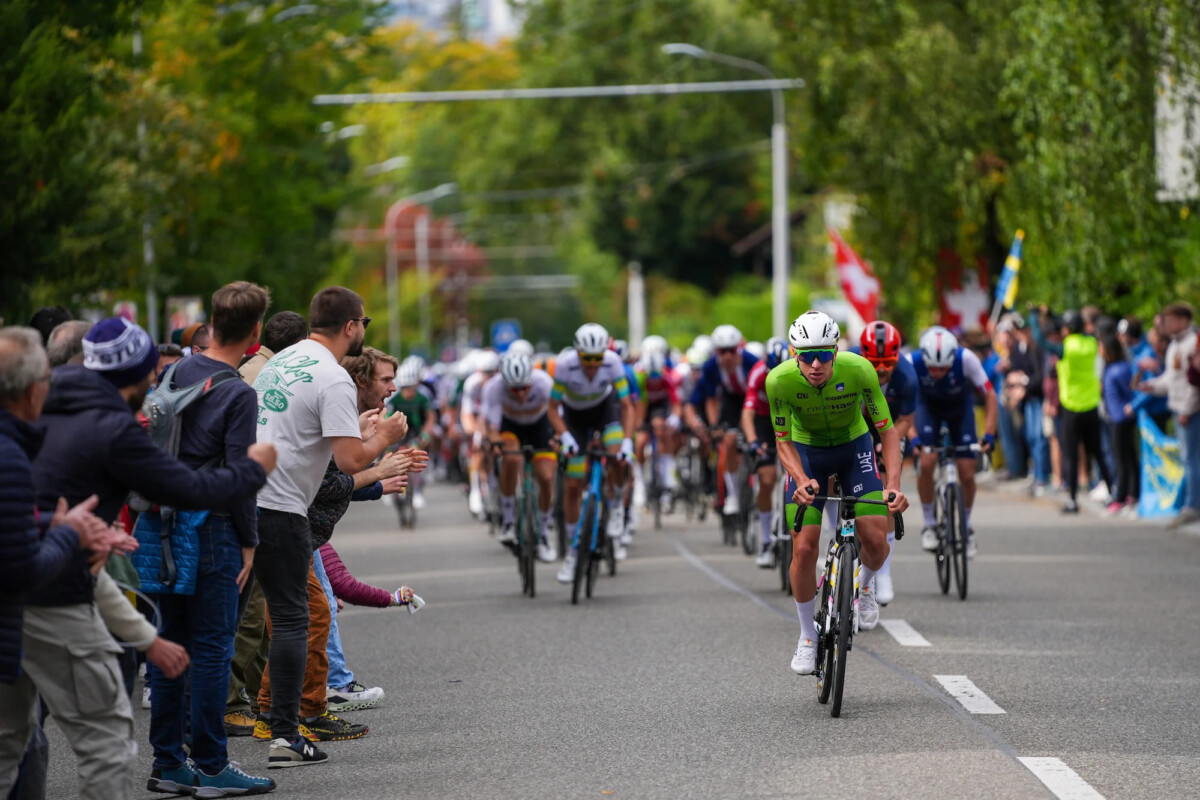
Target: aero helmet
813, 329
938, 347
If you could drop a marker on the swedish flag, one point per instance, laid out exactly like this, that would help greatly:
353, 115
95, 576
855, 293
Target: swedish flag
1006, 287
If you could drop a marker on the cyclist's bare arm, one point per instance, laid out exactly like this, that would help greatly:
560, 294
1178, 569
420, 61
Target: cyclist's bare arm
748, 425
628, 416
556, 420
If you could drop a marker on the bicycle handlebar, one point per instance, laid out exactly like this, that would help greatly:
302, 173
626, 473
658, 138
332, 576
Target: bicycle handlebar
898, 517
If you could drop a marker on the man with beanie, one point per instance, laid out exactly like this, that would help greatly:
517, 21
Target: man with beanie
306, 402
94, 445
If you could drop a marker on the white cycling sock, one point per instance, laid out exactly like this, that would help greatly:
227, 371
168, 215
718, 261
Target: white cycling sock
730, 483
507, 505
668, 468
545, 519
808, 628
764, 519
967, 517
930, 517
886, 569
865, 576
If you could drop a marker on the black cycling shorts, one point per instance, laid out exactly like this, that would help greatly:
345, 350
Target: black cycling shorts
765, 434
731, 411
604, 419
534, 434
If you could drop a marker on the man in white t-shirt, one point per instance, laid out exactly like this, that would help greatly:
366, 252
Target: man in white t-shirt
308, 406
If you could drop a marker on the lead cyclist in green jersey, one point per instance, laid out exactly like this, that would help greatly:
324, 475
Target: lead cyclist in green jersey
817, 401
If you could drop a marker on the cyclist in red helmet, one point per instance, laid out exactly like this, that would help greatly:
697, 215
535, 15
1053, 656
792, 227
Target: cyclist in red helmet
880, 344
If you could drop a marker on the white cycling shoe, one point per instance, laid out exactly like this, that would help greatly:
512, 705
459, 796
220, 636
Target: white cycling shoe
766, 558
929, 539
868, 609
566, 573
475, 502
804, 661
418, 500
508, 534
547, 553
884, 591
619, 551
972, 549
732, 506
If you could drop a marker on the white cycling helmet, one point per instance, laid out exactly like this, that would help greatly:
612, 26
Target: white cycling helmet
938, 347
591, 339
517, 369
813, 329
777, 352
415, 359
487, 361
757, 349
726, 336
654, 344
621, 348
655, 363
520, 346
409, 374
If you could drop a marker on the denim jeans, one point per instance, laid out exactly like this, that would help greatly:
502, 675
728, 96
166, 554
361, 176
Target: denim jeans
281, 565
340, 675
1189, 437
1010, 440
204, 623
1039, 445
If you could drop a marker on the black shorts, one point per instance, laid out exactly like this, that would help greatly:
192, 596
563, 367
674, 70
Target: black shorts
765, 433
534, 434
601, 419
659, 410
731, 411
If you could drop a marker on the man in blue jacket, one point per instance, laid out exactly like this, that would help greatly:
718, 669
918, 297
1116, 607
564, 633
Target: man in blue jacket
27, 558
94, 445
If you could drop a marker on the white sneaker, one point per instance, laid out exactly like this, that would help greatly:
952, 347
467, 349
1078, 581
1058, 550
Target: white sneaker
971, 548
884, 592
145, 697
547, 553
354, 697
731, 504
619, 551
475, 502
766, 558
616, 526
868, 610
804, 662
418, 500
929, 539
508, 534
1100, 493
566, 573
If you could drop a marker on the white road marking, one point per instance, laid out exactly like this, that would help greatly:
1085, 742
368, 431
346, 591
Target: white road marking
903, 633
968, 694
1061, 779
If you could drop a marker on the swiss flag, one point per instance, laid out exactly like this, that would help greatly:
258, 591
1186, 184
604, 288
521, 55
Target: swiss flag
859, 284
965, 302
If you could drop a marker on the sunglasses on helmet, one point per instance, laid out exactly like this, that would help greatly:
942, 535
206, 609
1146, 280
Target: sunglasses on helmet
809, 356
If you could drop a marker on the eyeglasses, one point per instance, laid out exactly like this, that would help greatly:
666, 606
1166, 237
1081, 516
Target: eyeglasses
364, 320
726, 351
809, 356
590, 359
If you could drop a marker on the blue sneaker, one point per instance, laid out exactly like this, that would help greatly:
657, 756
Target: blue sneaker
181, 780
231, 782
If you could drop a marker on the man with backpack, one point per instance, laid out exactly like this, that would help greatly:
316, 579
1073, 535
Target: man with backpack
216, 424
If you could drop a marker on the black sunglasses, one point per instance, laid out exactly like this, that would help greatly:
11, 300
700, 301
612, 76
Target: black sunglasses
364, 320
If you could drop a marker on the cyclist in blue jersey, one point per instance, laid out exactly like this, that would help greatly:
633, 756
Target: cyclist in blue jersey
880, 344
719, 395
636, 492
948, 376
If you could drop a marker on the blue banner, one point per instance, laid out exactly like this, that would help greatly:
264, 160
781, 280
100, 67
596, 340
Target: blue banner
1162, 471
1006, 287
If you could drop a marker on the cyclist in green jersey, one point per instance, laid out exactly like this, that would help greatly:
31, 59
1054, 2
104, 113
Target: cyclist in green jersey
421, 420
817, 402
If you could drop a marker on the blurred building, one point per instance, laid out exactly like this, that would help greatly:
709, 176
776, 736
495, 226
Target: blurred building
488, 20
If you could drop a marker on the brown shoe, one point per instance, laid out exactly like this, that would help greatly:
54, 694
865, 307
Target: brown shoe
240, 723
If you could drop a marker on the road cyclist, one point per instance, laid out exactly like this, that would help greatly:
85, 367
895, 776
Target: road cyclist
515, 409
658, 420
417, 407
817, 401
760, 435
948, 376
635, 493
484, 364
590, 385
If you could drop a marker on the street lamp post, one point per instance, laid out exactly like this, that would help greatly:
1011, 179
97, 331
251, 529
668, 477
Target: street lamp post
780, 220
392, 271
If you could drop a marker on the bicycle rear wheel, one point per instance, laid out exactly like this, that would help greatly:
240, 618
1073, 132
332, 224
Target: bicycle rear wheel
844, 628
945, 547
583, 556
959, 551
529, 546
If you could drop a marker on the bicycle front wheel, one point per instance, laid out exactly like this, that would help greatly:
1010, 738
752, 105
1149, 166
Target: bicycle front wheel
844, 628
825, 648
529, 543
583, 556
959, 551
945, 524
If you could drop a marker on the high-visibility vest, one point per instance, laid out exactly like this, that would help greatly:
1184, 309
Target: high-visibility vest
1078, 383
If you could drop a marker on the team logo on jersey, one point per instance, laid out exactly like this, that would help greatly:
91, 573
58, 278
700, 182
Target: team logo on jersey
841, 387
780, 421
881, 424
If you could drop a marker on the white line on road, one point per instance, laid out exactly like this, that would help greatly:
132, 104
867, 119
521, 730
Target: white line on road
1061, 779
968, 694
903, 633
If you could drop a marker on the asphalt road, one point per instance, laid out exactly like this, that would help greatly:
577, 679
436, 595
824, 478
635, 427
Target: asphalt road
673, 681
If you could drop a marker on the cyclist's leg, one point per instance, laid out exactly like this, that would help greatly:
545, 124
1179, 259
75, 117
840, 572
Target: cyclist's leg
766, 480
730, 418
860, 477
926, 424
510, 470
668, 445
963, 432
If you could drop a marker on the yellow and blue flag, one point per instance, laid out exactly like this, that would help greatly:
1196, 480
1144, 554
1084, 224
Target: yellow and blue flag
1006, 287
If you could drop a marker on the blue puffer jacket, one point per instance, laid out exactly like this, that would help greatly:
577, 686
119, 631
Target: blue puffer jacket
27, 559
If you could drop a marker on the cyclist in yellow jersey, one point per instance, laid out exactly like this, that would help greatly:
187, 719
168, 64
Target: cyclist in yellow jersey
817, 402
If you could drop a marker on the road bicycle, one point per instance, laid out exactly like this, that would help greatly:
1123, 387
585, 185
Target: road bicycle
527, 524
782, 538
836, 614
592, 542
655, 489
690, 462
736, 526
951, 524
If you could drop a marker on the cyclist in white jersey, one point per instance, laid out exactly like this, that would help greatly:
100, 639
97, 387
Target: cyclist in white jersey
590, 384
486, 363
515, 405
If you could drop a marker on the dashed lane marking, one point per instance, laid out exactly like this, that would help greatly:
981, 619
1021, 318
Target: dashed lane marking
970, 696
903, 633
1060, 779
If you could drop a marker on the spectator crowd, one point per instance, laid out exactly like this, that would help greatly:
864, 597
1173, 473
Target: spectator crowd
206, 475
1073, 387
